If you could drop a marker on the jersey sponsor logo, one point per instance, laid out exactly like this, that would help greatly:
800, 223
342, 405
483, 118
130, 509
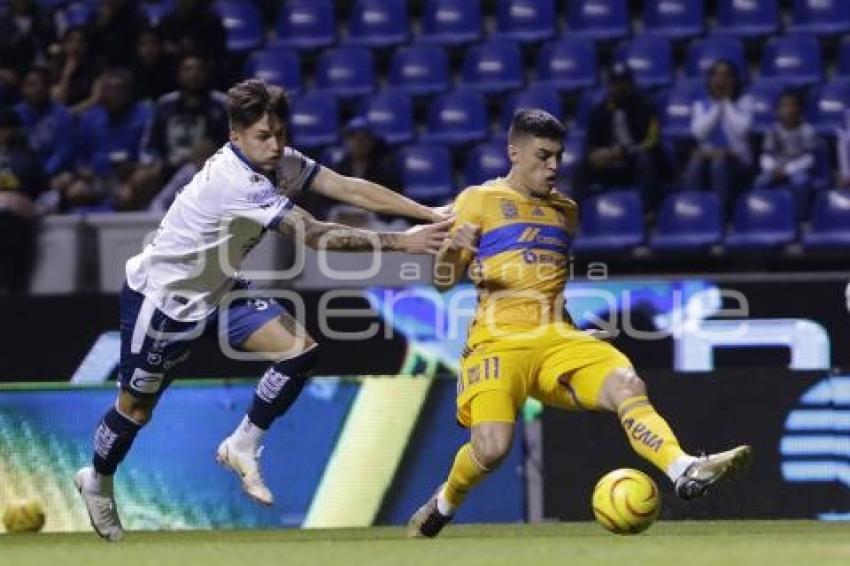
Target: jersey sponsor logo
533, 234
146, 382
509, 209
265, 197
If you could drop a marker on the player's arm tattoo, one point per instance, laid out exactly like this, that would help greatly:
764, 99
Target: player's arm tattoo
337, 237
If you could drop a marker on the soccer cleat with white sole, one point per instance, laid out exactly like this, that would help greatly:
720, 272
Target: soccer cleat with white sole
700, 476
244, 463
99, 499
427, 522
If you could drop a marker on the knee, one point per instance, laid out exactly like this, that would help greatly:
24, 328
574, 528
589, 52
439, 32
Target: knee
138, 410
490, 450
623, 384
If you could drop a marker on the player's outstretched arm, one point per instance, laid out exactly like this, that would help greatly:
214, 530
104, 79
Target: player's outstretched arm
424, 239
374, 197
455, 255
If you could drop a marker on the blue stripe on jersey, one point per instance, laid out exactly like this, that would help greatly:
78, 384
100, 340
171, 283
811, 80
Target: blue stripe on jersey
275, 222
523, 236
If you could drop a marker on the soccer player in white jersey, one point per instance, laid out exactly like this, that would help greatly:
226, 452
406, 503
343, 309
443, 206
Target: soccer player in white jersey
181, 285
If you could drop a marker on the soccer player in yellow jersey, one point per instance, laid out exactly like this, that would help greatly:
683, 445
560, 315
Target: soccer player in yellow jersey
513, 235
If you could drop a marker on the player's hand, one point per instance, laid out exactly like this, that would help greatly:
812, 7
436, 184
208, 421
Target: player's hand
426, 238
465, 238
440, 213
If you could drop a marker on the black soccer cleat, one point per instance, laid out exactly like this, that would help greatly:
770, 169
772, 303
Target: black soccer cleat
427, 522
700, 476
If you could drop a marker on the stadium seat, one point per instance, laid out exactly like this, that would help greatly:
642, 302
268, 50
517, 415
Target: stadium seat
155, 10
747, 18
346, 72
677, 107
820, 17
486, 161
492, 67
456, 118
688, 220
536, 96
597, 19
378, 23
390, 114
674, 19
792, 61
571, 156
830, 226
589, 98
526, 21
332, 155
451, 22
764, 98
650, 59
276, 65
827, 104
306, 24
242, 22
315, 120
78, 13
568, 64
843, 67
763, 218
703, 52
610, 221
426, 172
420, 70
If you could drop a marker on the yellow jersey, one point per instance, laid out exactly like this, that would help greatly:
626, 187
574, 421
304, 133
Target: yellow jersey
522, 262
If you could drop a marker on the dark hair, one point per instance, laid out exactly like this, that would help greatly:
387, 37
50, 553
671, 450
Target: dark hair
42, 72
794, 95
536, 123
733, 69
250, 100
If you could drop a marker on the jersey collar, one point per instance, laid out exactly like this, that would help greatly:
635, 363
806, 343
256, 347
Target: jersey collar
238, 153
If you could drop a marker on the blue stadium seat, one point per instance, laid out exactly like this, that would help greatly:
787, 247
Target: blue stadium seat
378, 23
492, 67
420, 70
843, 68
830, 226
792, 60
456, 118
820, 17
589, 98
346, 72
571, 156
155, 10
688, 220
764, 96
306, 24
78, 13
243, 23
451, 22
568, 64
677, 107
535, 96
650, 59
747, 18
276, 65
332, 155
764, 218
827, 104
597, 19
702, 53
390, 114
426, 172
674, 19
315, 120
526, 21
610, 221
486, 161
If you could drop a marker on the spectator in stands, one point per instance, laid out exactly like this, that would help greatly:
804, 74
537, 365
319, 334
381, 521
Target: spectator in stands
115, 31
74, 71
842, 146
23, 33
152, 71
20, 184
110, 140
623, 138
202, 151
194, 27
182, 121
720, 125
788, 151
49, 125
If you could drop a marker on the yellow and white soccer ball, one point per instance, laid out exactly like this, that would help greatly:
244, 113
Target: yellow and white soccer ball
24, 515
626, 501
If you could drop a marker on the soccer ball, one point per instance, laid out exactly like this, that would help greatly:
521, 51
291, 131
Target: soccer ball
24, 515
626, 501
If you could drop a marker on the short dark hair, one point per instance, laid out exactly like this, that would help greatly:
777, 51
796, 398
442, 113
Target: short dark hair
536, 123
794, 95
250, 100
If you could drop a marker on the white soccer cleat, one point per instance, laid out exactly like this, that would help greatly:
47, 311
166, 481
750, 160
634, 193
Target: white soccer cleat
703, 474
244, 463
100, 504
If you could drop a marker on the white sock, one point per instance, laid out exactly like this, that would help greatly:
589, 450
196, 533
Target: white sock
445, 508
247, 435
679, 465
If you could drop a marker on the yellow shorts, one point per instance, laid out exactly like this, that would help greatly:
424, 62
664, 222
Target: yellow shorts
558, 365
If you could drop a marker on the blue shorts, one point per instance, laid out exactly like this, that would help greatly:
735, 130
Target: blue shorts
152, 343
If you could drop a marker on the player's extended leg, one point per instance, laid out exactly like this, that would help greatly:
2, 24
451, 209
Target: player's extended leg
294, 353
651, 437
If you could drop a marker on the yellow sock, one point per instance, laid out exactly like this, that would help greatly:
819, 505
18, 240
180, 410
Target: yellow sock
466, 472
649, 434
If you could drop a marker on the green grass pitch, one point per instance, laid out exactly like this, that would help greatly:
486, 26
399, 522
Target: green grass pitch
728, 543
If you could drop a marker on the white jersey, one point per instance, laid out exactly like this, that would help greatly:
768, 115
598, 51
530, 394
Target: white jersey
216, 219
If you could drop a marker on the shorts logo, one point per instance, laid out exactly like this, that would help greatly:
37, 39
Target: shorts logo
270, 385
146, 382
509, 209
154, 359
260, 304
